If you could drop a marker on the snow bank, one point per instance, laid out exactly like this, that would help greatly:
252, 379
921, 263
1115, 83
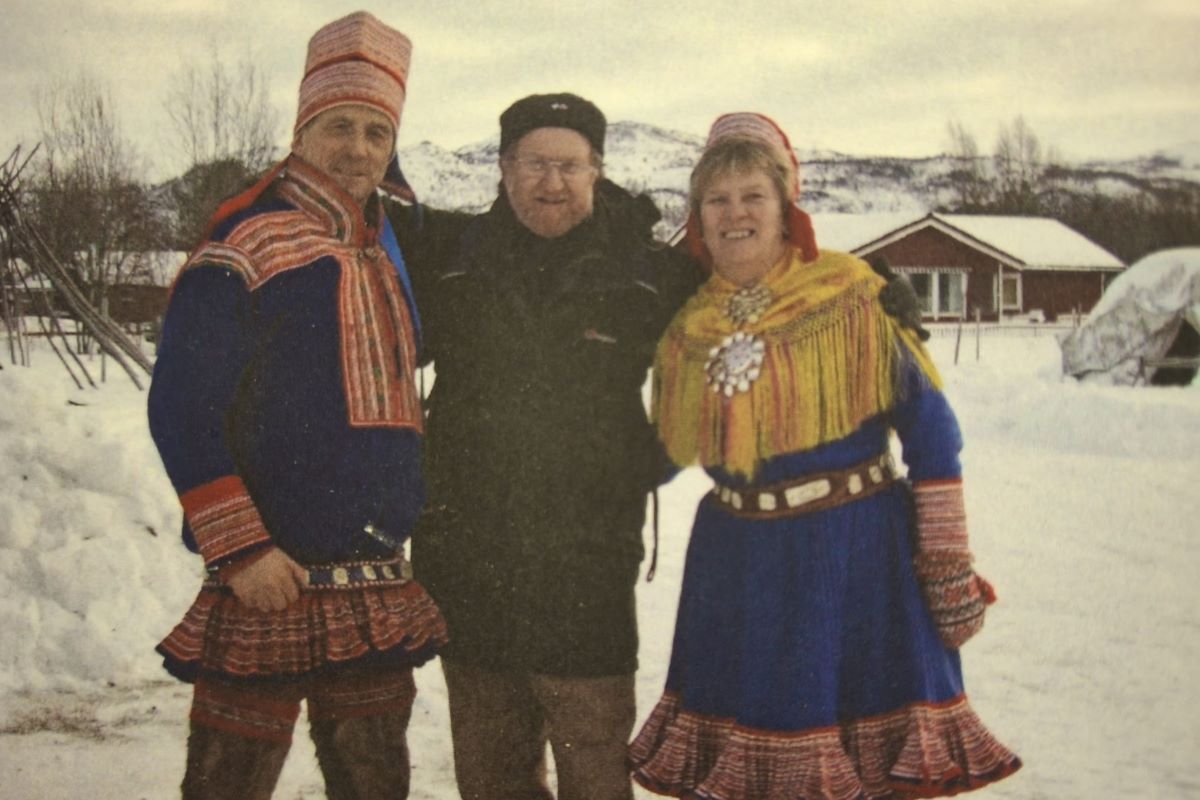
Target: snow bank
91, 569
1081, 502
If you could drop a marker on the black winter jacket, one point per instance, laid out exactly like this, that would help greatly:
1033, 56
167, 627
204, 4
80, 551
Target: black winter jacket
539, 454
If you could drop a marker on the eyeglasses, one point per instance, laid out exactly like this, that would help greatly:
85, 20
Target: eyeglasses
540, 167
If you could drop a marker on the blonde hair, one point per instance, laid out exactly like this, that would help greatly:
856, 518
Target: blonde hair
736, 155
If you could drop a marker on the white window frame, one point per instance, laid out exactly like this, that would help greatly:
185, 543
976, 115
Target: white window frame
932, 309
1015, 278
961, 311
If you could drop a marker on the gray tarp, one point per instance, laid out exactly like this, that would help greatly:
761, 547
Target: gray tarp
1138, 317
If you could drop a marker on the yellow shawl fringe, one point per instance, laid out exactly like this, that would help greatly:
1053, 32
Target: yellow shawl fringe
831, 362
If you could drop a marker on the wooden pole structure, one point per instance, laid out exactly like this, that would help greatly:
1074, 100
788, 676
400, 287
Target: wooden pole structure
20, 231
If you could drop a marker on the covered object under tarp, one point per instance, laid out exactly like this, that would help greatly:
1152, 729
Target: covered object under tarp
1150, 312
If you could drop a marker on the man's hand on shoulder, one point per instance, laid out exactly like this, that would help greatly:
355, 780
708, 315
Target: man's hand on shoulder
898, 298
270, 581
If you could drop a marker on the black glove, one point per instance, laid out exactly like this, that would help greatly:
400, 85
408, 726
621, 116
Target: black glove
898, 298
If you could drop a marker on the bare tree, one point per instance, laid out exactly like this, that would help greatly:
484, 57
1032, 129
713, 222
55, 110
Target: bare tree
219, 111
1019, 166
968, 179
224, 128
88, 195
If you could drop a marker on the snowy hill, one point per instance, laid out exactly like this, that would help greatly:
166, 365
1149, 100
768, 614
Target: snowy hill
657, 161
646, 158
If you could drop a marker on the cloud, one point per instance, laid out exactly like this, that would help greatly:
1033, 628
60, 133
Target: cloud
863, 76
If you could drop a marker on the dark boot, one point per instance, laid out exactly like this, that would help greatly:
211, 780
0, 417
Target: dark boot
364, 758
225, 766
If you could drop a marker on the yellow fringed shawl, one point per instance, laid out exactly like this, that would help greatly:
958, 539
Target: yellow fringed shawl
830, 363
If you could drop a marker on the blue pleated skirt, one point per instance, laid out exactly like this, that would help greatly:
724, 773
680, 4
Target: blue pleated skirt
805, 663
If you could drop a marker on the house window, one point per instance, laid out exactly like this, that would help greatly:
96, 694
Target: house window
950, 293
922, 283
940, 293
1010, 292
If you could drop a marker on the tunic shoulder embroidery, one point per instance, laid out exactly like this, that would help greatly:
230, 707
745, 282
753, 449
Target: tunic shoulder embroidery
375, 327
378, 351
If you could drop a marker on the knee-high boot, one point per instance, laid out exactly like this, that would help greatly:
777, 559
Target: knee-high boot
226, 766
364, 758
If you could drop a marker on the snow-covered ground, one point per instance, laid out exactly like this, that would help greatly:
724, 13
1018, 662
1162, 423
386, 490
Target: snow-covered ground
1083, 508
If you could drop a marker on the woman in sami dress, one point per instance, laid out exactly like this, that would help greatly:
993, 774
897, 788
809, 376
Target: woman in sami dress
824, 599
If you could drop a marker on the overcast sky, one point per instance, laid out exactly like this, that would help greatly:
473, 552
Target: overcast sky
1091, 77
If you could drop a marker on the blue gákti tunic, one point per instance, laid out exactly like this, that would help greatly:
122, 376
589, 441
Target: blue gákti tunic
285, 411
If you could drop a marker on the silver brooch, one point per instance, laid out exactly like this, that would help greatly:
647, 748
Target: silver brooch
747, 304
735, 364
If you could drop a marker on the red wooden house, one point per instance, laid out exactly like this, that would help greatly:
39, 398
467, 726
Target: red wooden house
1003, 267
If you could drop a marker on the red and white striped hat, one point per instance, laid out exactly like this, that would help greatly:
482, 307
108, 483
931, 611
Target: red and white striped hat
759, 128
356, 60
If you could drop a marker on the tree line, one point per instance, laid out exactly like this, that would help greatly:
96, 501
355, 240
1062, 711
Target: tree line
87, 190
1024, 177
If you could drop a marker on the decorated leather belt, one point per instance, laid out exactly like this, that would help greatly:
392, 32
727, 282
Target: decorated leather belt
350, 574
816, 491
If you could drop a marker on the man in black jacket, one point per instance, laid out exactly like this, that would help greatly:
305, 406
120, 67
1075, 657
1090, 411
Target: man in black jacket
541, 317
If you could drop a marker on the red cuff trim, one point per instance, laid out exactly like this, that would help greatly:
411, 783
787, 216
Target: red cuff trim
223, 518
938, 483
941, 516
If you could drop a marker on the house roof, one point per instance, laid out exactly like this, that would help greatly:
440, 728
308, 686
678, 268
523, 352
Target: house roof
161, 266
848, 232
1039, 242
154, 267
23, 277
1024, 243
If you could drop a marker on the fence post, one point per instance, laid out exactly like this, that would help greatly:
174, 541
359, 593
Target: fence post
978, 330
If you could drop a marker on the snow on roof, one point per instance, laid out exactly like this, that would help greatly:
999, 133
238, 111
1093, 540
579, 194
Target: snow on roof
154, 267
1034, 243
848, 232
1038, 243
24, 277
163, 265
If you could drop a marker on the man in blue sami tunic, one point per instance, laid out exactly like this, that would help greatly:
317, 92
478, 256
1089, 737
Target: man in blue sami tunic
286, 412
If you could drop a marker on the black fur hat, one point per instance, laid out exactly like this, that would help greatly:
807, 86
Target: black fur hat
563, 110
